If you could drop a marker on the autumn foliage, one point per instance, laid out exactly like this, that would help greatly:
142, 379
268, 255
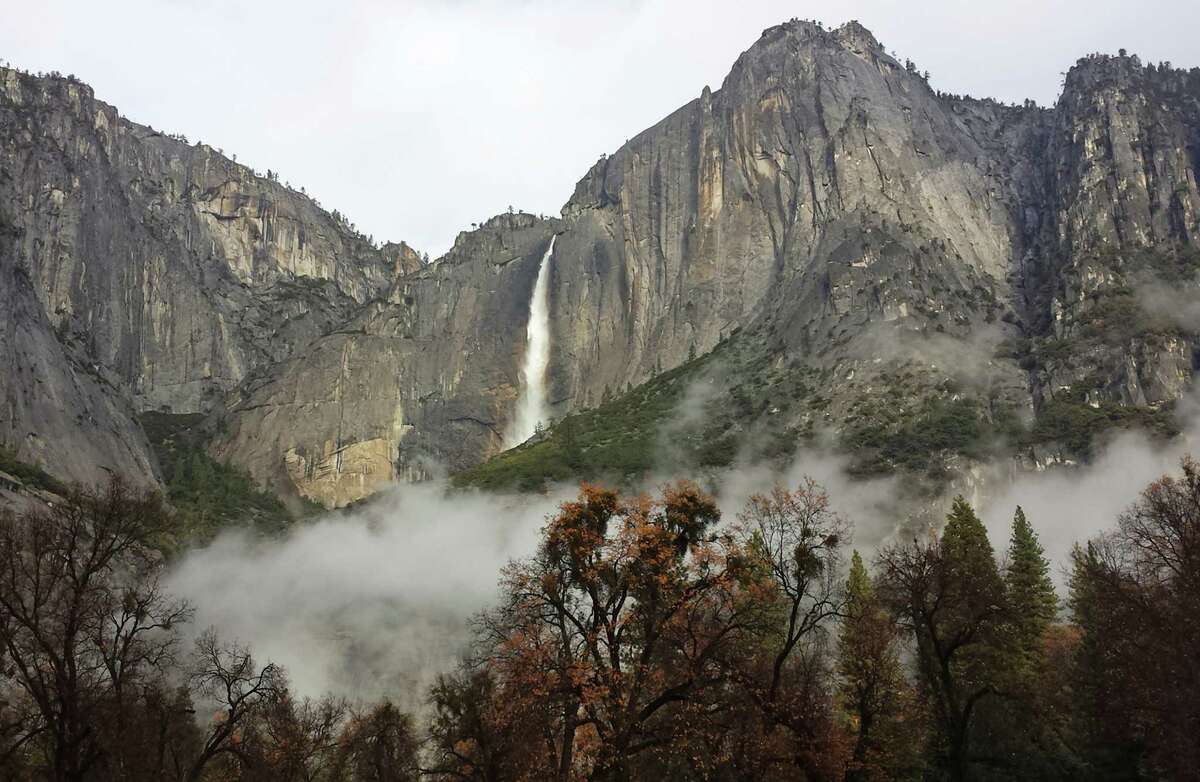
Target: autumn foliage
646, 638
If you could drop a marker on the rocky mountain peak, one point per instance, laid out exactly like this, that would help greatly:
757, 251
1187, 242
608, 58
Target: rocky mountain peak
1125, 72
800, 35
493, 235
853, 33
21, 87
405, 259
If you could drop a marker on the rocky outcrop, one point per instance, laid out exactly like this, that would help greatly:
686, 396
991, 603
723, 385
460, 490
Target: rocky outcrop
404, 259
416, 384
171, 271
821, 162
1123, 254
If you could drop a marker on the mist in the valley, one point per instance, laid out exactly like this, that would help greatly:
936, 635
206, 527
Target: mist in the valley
870, 504
366, 602
1070, 504
1174, 305
378, 600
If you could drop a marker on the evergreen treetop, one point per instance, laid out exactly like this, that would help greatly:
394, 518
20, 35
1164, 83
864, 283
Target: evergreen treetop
1031, 596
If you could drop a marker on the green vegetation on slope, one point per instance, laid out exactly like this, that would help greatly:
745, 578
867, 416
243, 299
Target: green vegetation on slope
208, 495
734, 401
891, 438
617, 440
1077, 426
753, 407
29, 474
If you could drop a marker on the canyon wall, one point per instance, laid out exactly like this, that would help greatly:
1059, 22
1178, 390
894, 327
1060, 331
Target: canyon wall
825, 199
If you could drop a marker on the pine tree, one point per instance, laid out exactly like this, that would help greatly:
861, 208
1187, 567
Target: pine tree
1101, 713
951, 596
971, 577
859, 594
854, 666
572, 452
1034, 726
971, 630
1031, 597
874, 694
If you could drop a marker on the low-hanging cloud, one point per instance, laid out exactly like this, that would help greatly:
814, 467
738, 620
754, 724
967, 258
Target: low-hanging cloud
1071, 504
1171, 304
871, 505
970, 360
378, 600
365, 603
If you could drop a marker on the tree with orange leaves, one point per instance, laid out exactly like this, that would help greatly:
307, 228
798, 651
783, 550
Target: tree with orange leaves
616, 625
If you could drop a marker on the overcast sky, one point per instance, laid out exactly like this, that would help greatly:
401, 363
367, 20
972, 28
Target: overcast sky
418, 118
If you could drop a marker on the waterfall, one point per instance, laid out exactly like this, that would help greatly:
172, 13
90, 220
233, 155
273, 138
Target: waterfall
531, 406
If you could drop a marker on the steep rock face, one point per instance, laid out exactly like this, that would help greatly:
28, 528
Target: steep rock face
59, 408
903, 247
175, 270
1127, 143
1123, 258
421, 382
871, 229
889, 256
822, 180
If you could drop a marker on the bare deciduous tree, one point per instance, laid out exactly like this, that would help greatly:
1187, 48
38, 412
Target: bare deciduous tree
228, 676
81, 615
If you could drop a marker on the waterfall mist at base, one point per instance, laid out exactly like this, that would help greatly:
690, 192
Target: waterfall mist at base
531, 407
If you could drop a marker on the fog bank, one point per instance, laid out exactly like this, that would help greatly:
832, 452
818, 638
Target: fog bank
367, 602
377, 601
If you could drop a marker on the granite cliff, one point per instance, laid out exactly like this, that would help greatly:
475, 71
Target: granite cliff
421, 381
141, 272
864, 256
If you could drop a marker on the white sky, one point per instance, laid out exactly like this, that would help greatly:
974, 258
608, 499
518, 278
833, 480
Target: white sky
418, 118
